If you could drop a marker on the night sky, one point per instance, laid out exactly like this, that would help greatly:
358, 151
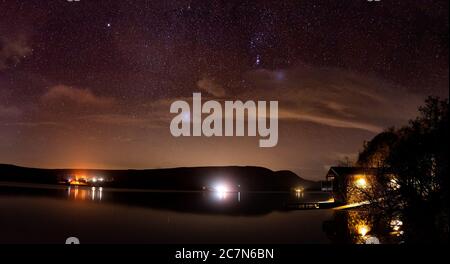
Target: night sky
89, 84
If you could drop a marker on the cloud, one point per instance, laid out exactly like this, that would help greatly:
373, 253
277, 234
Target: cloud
211, 87
62, 94
12, 50
116, 119
329, 97
334, 97
34, 124
329, 121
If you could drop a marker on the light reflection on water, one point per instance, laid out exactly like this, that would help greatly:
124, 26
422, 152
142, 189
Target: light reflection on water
122, 216
194, 217
225, 196
79, 193
361, 226
299, 195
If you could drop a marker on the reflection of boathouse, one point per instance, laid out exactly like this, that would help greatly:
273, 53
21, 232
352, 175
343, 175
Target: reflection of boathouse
341, 180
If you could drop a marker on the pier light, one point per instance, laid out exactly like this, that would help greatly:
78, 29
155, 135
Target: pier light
361, 182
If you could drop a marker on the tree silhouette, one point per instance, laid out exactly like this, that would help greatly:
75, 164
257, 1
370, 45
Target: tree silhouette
412, 167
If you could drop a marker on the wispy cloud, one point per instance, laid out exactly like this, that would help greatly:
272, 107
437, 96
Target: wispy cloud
329, 121
31, 124
334, 97
325, 96
116, 119
211, 86
62, 94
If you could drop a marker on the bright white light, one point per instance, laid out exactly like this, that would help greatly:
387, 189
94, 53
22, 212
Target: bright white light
222, 188
221, 191
101, 179
94, 179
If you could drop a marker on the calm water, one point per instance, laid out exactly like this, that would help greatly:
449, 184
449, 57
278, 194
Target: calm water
50, 214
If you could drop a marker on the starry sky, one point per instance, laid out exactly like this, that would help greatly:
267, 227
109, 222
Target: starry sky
88, 84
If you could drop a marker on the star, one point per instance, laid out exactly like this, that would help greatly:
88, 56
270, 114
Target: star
258, 60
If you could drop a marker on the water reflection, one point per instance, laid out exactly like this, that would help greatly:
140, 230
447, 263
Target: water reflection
198, 208
222, 196
205, 202
79, 193
364, 227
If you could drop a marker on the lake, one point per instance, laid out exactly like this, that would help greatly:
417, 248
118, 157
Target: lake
51, 213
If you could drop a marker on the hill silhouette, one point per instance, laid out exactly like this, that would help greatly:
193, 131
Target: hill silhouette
248, 178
